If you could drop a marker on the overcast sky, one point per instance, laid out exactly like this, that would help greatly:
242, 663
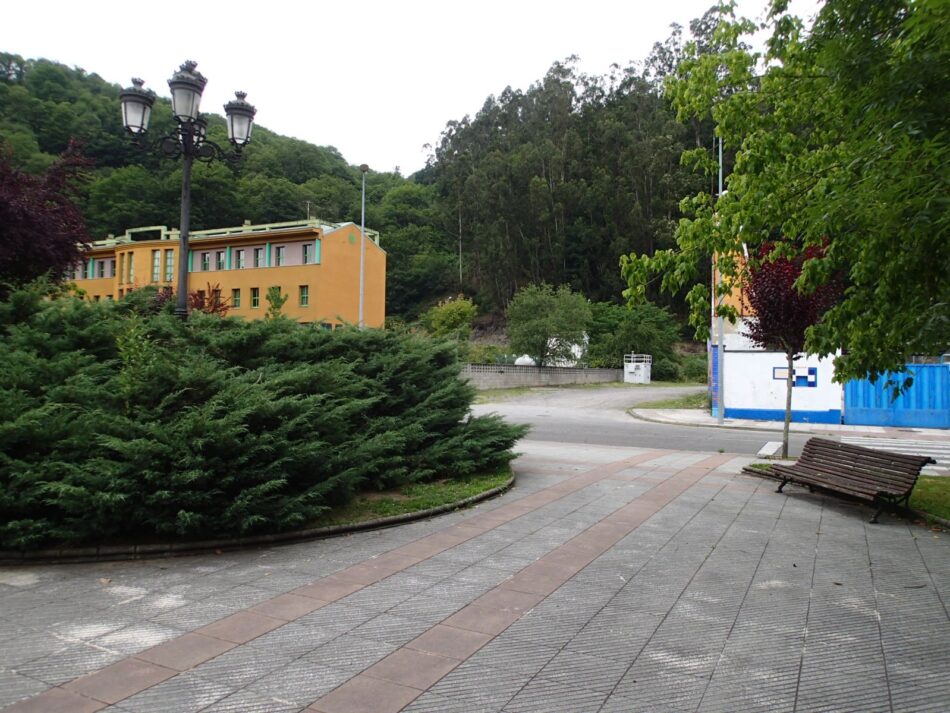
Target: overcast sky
377, 80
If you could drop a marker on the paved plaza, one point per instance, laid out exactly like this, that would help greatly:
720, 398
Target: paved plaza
608, 579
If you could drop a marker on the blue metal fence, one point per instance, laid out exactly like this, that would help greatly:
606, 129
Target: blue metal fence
926, 404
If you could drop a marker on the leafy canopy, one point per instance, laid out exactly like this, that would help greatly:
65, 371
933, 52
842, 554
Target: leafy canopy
545, 323
41, 229
841, 140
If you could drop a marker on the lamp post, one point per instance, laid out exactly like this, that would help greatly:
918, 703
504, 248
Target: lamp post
362, 323
188, 141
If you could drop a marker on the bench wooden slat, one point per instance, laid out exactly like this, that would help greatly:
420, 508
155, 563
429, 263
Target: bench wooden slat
861, 472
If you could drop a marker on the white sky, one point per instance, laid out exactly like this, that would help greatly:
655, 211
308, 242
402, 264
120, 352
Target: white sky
377, 80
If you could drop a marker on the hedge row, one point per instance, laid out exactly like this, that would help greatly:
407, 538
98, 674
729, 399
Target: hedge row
117, 424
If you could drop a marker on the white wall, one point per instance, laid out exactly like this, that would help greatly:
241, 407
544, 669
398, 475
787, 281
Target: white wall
751, 384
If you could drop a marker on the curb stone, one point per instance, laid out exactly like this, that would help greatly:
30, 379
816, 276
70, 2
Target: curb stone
114, 553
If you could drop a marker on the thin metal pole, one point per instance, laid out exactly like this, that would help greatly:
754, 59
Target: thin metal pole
362, 324
722, 347
181, 308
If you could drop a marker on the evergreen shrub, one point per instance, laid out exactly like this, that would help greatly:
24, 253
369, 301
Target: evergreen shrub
119, 423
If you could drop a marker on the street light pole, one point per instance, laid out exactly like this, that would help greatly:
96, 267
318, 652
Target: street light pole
722, 347
189, 141
362, 323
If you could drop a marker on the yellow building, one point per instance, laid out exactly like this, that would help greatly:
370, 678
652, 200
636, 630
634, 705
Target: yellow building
315, 264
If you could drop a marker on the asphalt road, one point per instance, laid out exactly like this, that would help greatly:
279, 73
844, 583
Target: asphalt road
597, 415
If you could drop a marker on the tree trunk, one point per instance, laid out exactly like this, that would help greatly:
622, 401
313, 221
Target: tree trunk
789, 385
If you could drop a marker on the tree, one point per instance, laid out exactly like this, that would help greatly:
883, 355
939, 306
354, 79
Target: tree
546, 324
275, 302
783, 314
41, 229
645, 329
451, 318
841, 141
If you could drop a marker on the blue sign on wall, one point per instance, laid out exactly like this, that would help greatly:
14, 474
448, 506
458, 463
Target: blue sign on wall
806, 376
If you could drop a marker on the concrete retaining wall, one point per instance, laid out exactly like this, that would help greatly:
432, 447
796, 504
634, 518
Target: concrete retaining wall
492, 376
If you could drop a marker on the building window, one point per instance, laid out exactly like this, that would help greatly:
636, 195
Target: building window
327, 326
108, 298
112, 267
216, 298
307, 254
95, 298
219, 260
236, 299
169, 265
280, 253
201, 298
304, 295
255, 297
239, 259
130, 268
205, 262
258, 257
156, 265
121, 267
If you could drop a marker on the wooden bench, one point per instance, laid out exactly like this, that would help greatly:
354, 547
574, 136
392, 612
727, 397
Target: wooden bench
880, 477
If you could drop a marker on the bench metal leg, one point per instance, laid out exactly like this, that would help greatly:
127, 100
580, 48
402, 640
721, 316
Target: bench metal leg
874, 519
784, 481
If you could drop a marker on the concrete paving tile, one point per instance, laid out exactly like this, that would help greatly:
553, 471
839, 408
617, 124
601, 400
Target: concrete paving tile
185, 693
543, 696
120, 680
449, 641
241, 666
14, 687
56, 700
137, 637
248, 701
329, 589
241, 627
350, 654
300, 682
412, 668
288, 606
185, 652
69, 663
365, 694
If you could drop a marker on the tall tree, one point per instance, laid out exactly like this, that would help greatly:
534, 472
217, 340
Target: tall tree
841, 140
41, 228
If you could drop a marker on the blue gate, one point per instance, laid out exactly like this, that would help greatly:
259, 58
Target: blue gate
713, 351
926, 404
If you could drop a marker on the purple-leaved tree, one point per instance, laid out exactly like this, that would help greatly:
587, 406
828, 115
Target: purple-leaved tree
41, 228
782, 314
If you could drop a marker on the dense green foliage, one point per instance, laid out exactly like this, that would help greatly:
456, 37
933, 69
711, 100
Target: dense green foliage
547, 324
118, 421
841, 142
451, 318
548, 184
644, 329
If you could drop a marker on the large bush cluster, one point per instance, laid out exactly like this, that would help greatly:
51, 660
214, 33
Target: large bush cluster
118, 424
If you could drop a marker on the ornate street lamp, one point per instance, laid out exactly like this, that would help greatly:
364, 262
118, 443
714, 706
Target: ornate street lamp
189, 141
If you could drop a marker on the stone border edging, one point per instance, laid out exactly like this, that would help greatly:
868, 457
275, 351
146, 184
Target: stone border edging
113, 553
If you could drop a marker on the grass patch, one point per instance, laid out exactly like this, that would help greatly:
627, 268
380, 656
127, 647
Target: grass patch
411, 498
932, 495
700, 400
496, 395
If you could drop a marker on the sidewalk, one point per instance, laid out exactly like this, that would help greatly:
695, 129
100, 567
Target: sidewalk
608, 580
700, 417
